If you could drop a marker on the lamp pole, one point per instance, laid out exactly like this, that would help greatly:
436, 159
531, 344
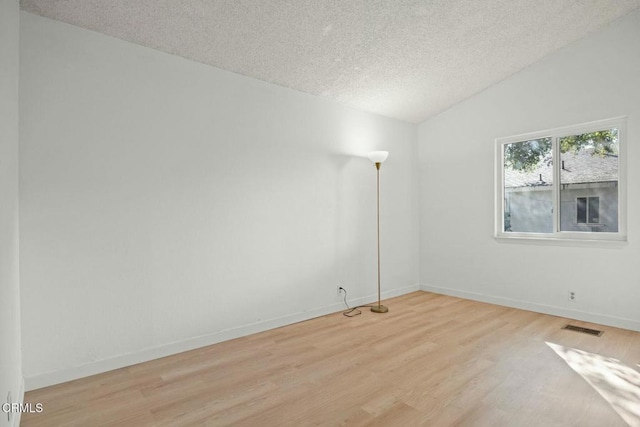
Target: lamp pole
378, 157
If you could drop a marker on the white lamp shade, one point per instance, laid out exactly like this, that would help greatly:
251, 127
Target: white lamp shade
378, 156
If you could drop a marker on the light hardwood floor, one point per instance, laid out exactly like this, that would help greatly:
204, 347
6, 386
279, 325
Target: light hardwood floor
431, 360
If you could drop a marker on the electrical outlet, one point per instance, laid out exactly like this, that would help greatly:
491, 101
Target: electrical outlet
340, 291
572, 296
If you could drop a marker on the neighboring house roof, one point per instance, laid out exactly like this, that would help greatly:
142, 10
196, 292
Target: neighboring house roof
579, 168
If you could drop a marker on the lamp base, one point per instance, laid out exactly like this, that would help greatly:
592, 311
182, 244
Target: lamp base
379, 309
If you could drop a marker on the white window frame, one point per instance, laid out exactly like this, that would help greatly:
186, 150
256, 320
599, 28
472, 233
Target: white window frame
619, 123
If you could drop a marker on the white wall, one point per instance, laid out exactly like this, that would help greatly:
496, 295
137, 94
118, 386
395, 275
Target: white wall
10, 354
167, 205
595, 78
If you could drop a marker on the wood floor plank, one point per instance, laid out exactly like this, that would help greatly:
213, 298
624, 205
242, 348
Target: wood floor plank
432, 360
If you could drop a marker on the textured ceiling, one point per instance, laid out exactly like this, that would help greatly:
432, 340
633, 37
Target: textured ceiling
406, 59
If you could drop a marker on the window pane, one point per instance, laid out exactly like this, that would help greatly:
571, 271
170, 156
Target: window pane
594, 207
589, 181
582, 209
528, 179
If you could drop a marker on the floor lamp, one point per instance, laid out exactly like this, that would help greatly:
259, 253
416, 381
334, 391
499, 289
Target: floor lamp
377, 157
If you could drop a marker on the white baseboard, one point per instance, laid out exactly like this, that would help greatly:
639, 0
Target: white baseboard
17, 416
51, 378
602, 319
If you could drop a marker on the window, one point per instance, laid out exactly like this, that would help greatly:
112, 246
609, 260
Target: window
588, 208
566, 183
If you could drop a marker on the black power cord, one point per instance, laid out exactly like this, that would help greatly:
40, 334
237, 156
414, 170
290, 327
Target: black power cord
351, 310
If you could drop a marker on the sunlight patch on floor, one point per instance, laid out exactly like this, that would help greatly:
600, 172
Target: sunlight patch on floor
616, 382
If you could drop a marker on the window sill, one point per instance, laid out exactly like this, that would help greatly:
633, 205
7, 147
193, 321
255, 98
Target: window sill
590, 239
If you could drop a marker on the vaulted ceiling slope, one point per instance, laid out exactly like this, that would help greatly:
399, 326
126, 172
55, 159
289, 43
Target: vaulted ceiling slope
406, 59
